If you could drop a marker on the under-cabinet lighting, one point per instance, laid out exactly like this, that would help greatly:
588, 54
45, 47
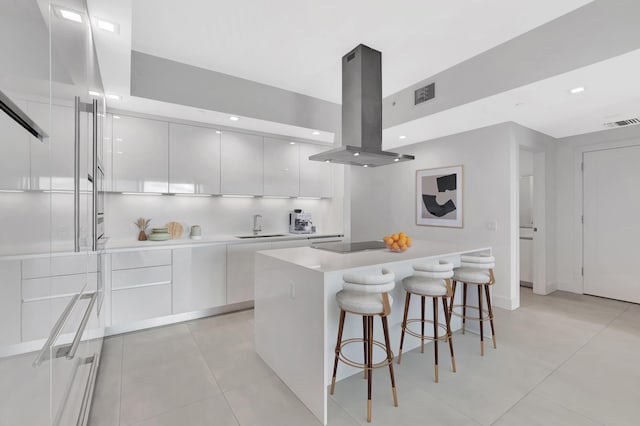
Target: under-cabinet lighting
577, 90
94, 93
396, 159
113, 97
356, 154
327, 161
218, 131
365, 165
309, 198
11, 190
234, 118
238, 196
142, 193
276, 197
70, 15
59, 191
403, 137
316, 133
117, 117
292, 143
193, 195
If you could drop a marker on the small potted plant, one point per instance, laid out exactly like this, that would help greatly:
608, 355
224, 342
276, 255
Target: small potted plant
142, 225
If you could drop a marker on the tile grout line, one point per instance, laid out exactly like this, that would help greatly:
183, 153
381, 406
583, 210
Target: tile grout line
605, 327
121, 381
223, 393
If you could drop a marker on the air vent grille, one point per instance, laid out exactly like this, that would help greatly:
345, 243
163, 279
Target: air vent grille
425, 93
623, 123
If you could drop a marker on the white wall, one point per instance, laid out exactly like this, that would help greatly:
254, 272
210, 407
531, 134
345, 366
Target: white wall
383, 199
568, 209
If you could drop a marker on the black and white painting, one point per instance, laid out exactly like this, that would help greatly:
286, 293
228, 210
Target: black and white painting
439, 197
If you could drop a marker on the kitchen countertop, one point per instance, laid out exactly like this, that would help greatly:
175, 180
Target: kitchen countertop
113, 246
326, 261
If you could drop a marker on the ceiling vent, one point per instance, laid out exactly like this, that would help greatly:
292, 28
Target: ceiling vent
623, 123
424, 94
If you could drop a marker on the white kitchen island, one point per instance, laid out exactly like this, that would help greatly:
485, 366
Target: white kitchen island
296, 315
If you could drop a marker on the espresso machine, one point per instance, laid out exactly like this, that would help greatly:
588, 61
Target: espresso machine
300, 222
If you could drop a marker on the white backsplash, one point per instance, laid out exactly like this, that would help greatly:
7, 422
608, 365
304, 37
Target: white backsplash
216, 215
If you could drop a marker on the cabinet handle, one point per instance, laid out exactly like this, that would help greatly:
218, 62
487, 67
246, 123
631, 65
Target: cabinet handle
87, 396
94, 174
55, 331
76, 175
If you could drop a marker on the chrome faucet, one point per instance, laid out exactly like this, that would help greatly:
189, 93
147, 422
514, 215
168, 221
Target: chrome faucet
257, 224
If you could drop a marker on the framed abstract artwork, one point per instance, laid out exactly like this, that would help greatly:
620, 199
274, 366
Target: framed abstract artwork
439, 197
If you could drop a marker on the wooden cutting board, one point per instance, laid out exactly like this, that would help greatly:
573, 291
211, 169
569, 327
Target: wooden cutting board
175, 230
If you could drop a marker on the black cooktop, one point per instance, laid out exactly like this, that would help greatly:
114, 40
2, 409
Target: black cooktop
350, 247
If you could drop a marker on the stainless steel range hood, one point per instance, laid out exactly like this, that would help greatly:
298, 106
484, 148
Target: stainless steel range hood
361, 113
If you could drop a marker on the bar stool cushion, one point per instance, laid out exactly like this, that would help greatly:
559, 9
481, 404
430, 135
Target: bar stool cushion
472, 275
361, 303
424, 286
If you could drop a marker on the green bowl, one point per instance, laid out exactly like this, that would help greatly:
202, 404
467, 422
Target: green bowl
159, 237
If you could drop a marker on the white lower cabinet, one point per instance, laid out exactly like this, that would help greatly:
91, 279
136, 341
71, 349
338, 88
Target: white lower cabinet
10, 300
199, 278
240, 271
141, 286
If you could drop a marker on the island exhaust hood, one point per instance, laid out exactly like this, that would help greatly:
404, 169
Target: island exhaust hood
361, 113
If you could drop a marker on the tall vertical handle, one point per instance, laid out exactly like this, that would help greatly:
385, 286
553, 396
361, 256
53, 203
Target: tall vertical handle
76, 176
94, 174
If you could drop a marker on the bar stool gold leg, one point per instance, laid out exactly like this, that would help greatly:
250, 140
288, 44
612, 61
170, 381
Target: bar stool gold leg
493, 330
385, 328
453, 297
464, 305
335, 362
422, 324
370, 366
404, 324
447, 317
435, 335
481, 321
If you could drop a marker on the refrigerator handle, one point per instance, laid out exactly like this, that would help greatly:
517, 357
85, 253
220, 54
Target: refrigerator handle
94, 174
76, 176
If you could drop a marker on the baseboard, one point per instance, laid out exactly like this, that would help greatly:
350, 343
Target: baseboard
505, 302
549, 288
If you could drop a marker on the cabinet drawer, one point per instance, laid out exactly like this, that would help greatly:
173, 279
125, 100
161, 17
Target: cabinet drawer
135, 304
51, 287
140, 277
140, 259
63, 265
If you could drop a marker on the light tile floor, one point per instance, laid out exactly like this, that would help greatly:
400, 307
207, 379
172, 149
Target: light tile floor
562, 359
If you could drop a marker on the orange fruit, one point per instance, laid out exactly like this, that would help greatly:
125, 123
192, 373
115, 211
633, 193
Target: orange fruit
402, 241
395, 237
386, 239
395, 246
409, 241
402, 234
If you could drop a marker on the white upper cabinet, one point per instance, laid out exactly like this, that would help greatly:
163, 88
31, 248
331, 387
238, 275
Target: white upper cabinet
194, 160
241, 164
315, 176
281, 167
14, 153
140, 155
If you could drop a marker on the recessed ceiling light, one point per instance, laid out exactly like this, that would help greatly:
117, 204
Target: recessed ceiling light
107, 26
327, 161
71, 15
117, 117
315, 133
577, 90
366, 165
113, 97
234, 118
292, 143
356, 154
94, 93
396, 159
403, 137
218, 131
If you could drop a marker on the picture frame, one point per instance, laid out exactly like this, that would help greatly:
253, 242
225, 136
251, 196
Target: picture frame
439, 197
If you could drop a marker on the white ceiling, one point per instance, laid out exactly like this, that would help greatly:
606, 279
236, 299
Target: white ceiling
612, 93
298, 45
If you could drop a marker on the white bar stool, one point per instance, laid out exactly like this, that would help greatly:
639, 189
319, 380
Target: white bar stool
475, 270
429, 280
367, 296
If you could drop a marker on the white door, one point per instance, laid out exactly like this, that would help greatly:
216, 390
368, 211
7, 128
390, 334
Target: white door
611, 230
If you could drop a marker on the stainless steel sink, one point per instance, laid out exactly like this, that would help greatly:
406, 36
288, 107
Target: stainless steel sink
244, 237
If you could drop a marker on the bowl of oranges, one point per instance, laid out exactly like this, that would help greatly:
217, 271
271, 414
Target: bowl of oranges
397, 242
